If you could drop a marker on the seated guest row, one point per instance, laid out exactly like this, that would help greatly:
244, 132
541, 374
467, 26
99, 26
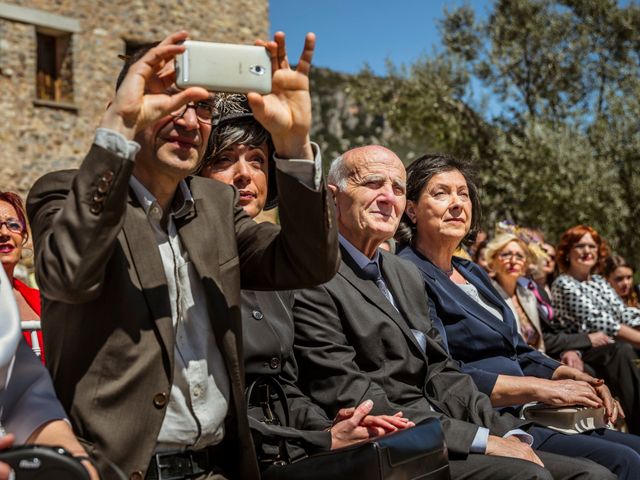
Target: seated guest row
240, 154
479, 327
549, 329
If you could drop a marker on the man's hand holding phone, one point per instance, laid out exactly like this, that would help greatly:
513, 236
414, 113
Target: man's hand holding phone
142, 98
145, 95
286, 111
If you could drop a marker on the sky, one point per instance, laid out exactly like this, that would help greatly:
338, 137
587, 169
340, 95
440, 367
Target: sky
351, 33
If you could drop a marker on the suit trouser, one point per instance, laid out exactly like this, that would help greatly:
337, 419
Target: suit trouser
615, 363
488, 467
619, 452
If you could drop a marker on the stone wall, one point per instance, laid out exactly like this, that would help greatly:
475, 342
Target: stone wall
35, 139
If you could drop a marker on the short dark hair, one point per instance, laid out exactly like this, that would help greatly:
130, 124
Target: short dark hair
236, 125
419, 172
241, 131
15, 201
614, 262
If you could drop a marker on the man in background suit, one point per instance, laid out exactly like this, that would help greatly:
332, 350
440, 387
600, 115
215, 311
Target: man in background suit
366, 334
140, 268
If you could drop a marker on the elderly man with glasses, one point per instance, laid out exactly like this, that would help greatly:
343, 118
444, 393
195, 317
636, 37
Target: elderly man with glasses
141, 265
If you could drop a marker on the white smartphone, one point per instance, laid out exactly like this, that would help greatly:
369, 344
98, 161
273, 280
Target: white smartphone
224, 67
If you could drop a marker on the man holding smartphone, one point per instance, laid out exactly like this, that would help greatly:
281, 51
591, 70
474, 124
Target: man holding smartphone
140, 266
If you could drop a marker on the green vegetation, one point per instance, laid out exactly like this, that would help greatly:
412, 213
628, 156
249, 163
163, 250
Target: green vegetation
565, 146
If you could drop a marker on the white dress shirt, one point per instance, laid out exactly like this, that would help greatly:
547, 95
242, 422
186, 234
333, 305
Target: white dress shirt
199, 397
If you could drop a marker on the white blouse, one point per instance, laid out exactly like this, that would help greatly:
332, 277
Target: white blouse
591, 306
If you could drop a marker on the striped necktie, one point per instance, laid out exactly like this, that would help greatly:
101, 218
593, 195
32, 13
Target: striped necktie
372, 272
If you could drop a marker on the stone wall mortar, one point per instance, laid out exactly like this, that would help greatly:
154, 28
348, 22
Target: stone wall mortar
36, 139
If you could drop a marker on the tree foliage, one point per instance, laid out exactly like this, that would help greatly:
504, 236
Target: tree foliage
563, 147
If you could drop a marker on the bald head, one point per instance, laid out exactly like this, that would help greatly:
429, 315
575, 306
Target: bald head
368, 184
343, 166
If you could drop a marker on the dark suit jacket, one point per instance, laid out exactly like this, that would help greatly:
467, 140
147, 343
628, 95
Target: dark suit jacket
106, 314
268, 330
352, 345
485, 345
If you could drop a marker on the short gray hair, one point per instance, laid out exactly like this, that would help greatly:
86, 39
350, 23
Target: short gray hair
338, 173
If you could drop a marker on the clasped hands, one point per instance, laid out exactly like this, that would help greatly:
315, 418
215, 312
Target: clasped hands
569, 386
145, 95
355, 425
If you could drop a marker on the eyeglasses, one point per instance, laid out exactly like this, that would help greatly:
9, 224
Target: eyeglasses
205, 111
585, 246
13, 225
518, 257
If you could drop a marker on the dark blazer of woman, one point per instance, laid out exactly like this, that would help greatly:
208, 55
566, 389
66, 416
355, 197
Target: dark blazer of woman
484, 345
268, 334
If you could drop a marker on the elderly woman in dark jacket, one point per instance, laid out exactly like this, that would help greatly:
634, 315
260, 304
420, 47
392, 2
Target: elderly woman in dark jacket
442, 208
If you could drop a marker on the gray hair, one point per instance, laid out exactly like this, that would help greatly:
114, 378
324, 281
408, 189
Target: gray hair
338, 173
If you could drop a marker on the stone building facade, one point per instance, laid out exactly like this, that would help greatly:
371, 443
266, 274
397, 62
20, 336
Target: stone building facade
48, 125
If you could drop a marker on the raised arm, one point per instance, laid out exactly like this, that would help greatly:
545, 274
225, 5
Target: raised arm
286, 111
76, 216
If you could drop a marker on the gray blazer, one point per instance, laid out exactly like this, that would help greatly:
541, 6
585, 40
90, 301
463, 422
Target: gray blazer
529, 304
106, 315
351, 345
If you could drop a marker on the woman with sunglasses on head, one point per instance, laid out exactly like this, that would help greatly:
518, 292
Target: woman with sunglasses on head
13, 237
240, 153
509, 258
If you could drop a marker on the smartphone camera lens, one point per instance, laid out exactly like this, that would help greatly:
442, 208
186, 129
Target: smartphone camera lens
257, 69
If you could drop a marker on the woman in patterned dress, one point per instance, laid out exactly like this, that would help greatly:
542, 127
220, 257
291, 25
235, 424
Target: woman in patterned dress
584, 300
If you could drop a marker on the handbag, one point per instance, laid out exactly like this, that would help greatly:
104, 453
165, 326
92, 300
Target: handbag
414, 453
37, 462
570, 420
418, 452
267, 402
